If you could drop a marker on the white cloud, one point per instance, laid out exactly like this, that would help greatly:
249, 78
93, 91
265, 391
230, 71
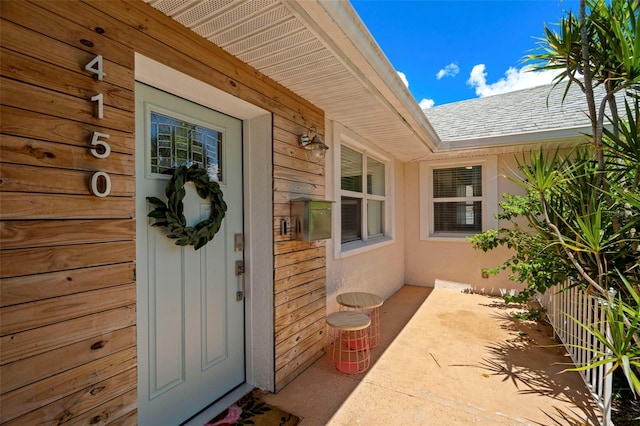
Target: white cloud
515, 79
450, 70
426, 103
403, 78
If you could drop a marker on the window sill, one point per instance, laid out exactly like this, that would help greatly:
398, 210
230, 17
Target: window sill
452, 238
356, 247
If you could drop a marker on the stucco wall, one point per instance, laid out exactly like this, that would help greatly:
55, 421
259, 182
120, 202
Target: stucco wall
452, 263
378, 270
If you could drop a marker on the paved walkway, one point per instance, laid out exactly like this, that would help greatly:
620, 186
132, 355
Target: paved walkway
447, 358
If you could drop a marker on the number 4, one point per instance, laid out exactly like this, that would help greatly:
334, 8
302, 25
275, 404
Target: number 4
95, 67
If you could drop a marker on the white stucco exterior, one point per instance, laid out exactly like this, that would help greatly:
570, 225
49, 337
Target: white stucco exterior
453, 263
380, 268
410, 257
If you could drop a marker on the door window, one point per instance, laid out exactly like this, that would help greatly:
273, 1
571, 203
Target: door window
175, 142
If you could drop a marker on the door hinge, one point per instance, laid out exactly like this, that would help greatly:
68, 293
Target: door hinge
239, 267
240, 273
238, 242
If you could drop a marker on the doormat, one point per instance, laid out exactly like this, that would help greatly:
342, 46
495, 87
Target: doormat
250, 410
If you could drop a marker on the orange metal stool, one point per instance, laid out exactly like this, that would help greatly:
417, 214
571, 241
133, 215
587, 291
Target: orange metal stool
348, 342
366, 303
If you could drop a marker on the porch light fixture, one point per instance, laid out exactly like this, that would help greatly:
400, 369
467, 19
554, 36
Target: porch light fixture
315, 148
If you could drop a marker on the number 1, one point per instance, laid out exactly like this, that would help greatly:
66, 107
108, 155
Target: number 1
98, 98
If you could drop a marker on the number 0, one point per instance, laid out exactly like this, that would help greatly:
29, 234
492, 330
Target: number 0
95, 67
94, 184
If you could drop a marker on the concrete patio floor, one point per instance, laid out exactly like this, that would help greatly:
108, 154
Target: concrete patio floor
447, 358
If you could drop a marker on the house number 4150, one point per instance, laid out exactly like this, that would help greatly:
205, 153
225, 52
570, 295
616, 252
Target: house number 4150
101, 148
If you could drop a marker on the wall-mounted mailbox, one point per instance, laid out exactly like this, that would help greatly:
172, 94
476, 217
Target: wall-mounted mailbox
312, 219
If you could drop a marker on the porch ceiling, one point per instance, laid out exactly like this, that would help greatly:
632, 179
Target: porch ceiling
324, 53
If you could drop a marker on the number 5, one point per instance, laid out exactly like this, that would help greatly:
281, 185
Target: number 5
106, 149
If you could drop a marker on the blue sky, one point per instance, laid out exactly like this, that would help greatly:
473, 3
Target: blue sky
452, 50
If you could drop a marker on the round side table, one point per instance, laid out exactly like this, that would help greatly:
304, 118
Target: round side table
348, 342
367, 303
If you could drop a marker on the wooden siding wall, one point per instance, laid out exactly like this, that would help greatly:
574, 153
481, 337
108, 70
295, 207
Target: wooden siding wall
67, 291
300, 267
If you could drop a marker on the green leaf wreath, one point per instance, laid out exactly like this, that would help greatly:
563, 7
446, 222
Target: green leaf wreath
171, 213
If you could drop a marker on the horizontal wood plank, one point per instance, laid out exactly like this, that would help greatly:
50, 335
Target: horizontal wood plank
78, 83
49, 259
129, 419
291, 347
297, 366
27, 42
301, 306
39, 340
36, 395
286, 136
58, 27
30, 288
33, 125
300, 267
299, 291
309, 189
105, 414
26, 316
47, 233
296, 164
74, 405
290, 150
32, 369
32, 152
295, 280
46, 180
285, 173
298, 309
295, 245
314, 317
286, 259
21, 206
33, 98
282, 210
282, 123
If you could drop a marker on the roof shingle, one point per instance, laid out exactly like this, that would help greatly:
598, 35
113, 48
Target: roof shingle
537, 109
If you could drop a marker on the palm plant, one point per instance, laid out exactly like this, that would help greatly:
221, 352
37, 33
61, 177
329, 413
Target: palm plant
583, 207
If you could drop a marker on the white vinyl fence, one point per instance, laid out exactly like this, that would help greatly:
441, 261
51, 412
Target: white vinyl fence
561, 301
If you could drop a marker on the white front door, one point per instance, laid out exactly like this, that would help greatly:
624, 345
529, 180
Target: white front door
190, 323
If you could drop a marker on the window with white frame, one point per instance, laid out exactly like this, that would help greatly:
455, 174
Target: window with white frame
363, 198
458, 199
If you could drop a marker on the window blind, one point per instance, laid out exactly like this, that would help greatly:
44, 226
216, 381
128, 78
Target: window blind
457, 199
